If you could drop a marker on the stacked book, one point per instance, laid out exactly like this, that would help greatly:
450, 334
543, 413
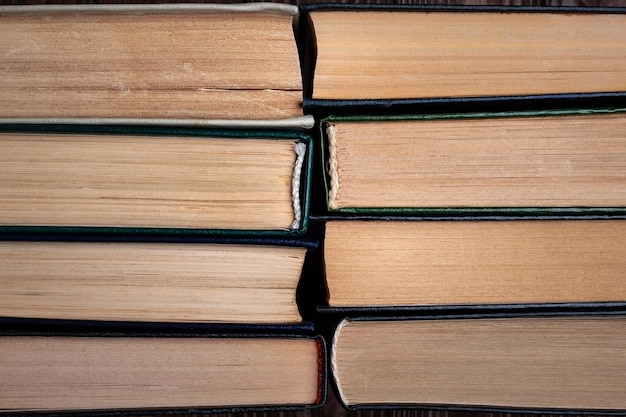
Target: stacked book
465, 171
475, 240
154, 193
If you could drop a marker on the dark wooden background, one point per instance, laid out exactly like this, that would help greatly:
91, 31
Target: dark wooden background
332, 408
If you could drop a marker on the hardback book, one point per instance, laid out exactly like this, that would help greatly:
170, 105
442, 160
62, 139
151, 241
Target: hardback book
469, 264
569, 160
393, 57
169, 282
548, 364
120, 374
189, 64
195, 181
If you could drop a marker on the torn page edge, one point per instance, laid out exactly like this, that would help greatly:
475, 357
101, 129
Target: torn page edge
300, 149
333, 173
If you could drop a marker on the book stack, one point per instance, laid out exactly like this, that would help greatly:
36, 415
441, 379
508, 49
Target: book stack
475, 236
168, 172
154, 187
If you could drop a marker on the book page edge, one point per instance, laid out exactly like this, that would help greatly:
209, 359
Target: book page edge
298, 123
333, 170
300, 150
280, 8
333, 361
